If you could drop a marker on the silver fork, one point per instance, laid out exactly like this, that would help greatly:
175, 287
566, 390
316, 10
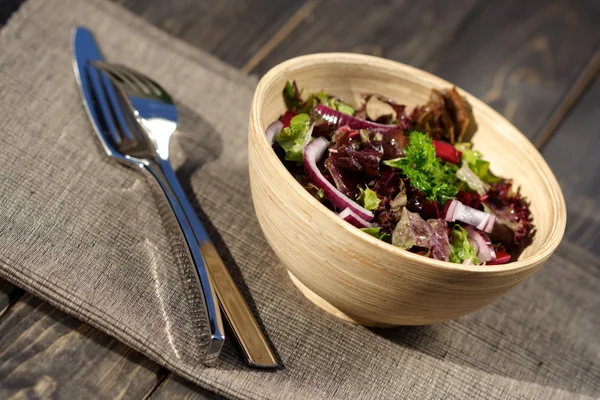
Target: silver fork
156, 114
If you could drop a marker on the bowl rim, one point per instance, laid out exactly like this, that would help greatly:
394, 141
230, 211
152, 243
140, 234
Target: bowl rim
549, 180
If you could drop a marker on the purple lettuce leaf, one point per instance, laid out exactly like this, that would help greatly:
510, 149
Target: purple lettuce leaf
352, 163
414, 231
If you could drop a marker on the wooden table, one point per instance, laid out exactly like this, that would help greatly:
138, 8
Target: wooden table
535, 61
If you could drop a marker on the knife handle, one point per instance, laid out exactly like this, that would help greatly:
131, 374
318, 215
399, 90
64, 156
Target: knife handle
243, 324
200, 273
245, 328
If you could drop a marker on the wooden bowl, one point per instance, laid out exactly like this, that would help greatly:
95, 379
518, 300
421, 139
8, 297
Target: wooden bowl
353, 275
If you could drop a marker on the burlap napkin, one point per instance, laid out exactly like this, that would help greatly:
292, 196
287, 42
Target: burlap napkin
83, 233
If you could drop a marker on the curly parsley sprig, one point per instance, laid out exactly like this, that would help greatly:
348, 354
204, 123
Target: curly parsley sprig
435, 178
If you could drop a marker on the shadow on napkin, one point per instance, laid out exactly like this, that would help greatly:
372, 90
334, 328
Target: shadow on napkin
421, 338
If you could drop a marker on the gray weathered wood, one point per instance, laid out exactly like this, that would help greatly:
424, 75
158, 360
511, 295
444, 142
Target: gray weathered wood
175, 387
8, 295
574, 156
7, 8
522, 57
519, 56
403, 30
46, 354
232, 30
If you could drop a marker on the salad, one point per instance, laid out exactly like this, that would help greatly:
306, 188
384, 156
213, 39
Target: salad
412, 180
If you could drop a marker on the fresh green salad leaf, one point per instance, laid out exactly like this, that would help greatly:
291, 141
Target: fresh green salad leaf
317, 192
461, 249
475, 183
376, 232
291, 96
327, 100
316, 98
291, 138
368, 199
293, 100
344, 108
436, 179
476, 163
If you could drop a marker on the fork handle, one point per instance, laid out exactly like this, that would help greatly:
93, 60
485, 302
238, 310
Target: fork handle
217, 334
246, 330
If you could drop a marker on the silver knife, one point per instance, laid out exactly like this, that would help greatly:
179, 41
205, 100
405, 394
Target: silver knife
86, 50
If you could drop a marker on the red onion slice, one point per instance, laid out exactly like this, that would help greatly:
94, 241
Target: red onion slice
482, 244
350, 216
474, 243
338, 119
312, 153
449, 215
489, 226
273, 129
457, 211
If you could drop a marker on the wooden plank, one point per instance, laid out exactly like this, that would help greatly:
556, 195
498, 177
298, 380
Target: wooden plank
232, 30
7, 8
583, 81
519, 56
46, 354
8, 295
573, 154
403, 30
175, 387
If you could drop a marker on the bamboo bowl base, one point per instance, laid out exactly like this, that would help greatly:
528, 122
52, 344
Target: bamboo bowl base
326, 306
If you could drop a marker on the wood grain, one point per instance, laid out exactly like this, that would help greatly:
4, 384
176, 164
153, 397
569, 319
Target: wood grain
233, 30
581, 84
7, 8
175, 387
521, 57
573, 153
8, 295
46, 354
370, 281
402, 30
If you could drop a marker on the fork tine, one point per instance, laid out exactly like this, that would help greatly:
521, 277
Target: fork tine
119, 77
150, 85
160, 93
138, 79
134, 81
158, 90
117, 105
106, 114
